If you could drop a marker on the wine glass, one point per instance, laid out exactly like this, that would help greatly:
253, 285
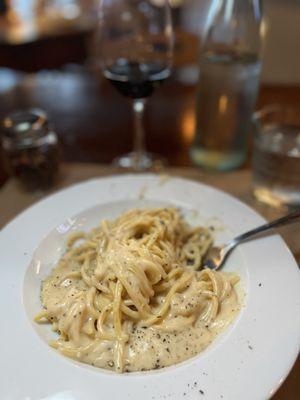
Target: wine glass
135, 43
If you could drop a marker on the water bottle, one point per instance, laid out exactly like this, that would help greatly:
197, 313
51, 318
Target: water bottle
230, 65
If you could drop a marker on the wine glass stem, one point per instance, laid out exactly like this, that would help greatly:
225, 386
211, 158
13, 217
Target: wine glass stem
139, 132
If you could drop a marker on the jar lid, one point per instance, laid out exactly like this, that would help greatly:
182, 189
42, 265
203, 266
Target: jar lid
24, 127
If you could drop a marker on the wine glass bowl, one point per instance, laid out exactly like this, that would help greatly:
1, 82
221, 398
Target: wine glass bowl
135, 43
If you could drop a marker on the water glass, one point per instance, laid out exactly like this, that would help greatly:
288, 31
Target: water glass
276, 156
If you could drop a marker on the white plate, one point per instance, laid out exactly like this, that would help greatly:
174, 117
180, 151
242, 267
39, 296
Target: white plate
248, 361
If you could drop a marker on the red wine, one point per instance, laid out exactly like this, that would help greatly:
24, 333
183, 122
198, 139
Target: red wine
136, 80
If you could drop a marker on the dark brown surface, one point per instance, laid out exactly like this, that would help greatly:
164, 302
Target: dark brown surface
47, 52
94, 122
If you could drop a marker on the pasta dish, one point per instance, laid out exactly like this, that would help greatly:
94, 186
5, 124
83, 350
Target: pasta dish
130, 295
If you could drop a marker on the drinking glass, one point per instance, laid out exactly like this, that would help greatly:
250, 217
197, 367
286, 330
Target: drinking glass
135, 43
276, 156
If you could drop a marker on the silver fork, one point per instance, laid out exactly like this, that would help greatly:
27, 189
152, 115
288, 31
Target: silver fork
216, 256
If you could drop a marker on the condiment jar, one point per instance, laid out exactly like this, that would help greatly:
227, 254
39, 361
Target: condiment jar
30, 148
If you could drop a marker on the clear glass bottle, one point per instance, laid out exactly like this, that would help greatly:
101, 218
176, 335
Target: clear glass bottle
230, 65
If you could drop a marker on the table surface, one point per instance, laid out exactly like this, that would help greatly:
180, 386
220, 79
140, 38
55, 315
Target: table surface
13, 200
94, 122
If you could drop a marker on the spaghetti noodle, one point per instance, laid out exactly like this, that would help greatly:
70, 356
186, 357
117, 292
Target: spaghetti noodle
129, 295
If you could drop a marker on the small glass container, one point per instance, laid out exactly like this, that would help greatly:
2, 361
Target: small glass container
276, 156
30, 149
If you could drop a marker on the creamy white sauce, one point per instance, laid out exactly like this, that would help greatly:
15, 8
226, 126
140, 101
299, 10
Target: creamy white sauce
147, 348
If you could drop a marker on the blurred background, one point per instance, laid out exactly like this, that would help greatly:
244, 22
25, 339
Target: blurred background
48, 59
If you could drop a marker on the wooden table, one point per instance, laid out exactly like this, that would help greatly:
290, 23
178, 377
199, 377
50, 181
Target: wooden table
95, 123
13, 200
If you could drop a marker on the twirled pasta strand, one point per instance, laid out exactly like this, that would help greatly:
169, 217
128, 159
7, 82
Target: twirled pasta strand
127, 272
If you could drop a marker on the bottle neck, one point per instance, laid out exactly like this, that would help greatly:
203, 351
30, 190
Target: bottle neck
229, 8
234, 25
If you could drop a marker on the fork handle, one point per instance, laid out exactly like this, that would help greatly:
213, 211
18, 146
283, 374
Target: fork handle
287, 219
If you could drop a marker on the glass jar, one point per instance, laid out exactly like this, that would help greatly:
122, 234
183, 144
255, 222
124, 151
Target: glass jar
30, 149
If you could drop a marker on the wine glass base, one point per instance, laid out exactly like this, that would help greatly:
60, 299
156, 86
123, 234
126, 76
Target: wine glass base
144, 161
